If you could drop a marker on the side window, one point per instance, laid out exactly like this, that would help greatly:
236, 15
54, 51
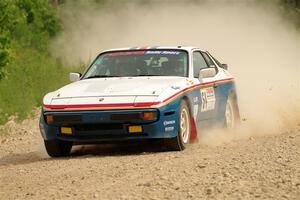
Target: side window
198, 63
208, 60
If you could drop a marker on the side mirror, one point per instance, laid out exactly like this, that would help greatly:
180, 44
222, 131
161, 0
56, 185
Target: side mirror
224, 66
207, 72
74, 76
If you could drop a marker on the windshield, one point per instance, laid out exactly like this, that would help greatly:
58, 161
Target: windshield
139, 63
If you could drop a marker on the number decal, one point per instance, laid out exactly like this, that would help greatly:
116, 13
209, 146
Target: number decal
208, 99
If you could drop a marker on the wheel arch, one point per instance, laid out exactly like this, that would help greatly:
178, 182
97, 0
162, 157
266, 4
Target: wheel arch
232, 94
194, 132
186, 99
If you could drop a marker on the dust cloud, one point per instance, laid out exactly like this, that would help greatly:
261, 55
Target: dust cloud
260, 46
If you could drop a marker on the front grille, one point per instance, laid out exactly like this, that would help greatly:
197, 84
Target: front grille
67, 118
126, 116
98, 127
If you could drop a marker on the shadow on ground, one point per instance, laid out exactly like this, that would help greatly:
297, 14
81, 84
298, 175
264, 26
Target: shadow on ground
117, 149
21, 158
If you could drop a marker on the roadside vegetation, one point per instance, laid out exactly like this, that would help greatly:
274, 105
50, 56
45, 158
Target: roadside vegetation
27, 70
291, 9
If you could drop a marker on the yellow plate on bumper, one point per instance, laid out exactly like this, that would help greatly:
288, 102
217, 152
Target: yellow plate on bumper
135, 129
66, 130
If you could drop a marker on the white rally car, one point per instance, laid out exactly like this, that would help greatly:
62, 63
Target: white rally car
168, 93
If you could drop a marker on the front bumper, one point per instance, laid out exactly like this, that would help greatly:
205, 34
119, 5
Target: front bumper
98, 126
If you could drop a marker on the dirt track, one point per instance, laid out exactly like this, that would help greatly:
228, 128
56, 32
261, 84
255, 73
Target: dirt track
265, 167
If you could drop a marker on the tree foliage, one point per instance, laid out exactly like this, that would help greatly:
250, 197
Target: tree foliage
27, 24
292, 11
292, 3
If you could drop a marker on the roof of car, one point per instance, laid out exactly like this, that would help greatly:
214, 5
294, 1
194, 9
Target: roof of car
187, 48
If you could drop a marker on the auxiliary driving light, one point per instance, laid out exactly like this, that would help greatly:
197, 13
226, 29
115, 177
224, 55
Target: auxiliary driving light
135, 129
66, 130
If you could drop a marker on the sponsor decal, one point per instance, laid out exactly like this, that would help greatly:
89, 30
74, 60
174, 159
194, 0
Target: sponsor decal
196, 108
169, 128
125, 53
175, 87
208, 99
166, 123
164, 52
195, 100
190, 82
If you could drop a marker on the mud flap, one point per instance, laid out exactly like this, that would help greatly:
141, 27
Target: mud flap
194, 132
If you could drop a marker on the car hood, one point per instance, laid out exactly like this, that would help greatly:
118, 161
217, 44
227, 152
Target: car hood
101, 87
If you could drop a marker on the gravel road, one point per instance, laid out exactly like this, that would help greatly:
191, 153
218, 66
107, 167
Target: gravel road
261, 167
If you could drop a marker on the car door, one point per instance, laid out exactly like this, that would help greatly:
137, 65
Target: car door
219, 91
206, 104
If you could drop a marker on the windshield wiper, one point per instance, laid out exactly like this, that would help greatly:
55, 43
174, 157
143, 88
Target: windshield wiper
100, 76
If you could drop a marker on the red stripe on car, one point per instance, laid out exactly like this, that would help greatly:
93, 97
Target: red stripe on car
137, 104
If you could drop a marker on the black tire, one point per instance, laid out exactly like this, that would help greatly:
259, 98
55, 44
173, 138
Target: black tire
232, 116
58, 148
182, 139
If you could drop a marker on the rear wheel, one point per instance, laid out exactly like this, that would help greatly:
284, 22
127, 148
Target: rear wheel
231, 114
182, 139
58, 148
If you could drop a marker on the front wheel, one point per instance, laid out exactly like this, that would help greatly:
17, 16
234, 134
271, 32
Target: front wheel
182, 139
58, 148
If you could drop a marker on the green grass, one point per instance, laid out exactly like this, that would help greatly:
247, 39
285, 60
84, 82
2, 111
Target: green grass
27, 71
30, 77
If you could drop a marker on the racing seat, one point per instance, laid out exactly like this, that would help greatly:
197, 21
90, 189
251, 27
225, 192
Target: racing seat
170, 68
141, 67
127, 69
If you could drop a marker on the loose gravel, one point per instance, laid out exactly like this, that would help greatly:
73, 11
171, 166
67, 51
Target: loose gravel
261, 167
